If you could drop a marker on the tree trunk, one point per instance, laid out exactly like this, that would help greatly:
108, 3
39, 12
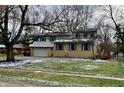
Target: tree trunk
93, 51
117, 55
9, 53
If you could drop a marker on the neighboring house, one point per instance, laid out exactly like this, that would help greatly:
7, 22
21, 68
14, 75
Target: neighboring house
17, 48
68, 44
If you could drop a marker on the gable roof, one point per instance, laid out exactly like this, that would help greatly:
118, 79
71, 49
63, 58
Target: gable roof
52, 34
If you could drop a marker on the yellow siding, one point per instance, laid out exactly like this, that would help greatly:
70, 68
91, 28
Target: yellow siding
31, 51
76, 53
50, 52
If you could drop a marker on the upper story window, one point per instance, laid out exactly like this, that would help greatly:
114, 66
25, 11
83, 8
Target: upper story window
92, 35
43, 39
77, 35
59, 46
85, 35
51, 38
37, 40
72, 46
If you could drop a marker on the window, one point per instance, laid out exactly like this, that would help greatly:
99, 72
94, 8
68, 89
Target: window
52, 39
43, 39
92, 35
86, 46
38, 39
59, 46
85, 35
72, 46
77, 35
51, 49
82, 46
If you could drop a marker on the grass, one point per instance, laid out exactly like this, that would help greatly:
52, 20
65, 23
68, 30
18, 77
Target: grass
17, 57
2, 57
63, 78
114, 68
106, 68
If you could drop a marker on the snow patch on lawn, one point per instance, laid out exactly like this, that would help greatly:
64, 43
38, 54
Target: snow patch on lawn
43, 82
97, 60
38, 71
20, 63
36, 61
82, 59
14, 64
89, 67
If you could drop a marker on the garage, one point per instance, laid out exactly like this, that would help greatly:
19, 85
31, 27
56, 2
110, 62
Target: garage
43, 52
41, 49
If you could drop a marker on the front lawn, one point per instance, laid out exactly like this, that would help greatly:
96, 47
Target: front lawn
40, 72
62, 80
85, 67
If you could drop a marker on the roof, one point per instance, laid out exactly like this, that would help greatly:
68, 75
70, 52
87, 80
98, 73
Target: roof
42, 44
53, 34
72, 40
2, 46
18, 46
15, 46
86, 30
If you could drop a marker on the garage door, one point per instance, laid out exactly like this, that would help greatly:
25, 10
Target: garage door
40, 52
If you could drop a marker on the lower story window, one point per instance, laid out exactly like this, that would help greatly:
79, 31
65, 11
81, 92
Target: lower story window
59, 46
72, 46
85, 47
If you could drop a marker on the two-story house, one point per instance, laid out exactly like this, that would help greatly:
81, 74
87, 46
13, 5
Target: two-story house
70, 44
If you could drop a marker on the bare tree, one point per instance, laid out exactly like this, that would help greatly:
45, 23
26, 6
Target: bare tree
104, 43
14, 19
116, 15
9, 21
75, 17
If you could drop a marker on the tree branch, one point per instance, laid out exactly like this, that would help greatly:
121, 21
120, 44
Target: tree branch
21, 25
